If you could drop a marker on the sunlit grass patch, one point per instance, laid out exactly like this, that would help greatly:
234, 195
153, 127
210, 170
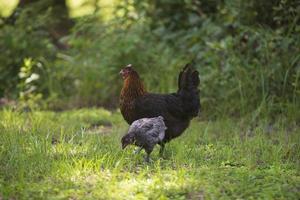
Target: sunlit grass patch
64, 156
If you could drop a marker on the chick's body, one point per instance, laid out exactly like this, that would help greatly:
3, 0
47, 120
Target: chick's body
145, 133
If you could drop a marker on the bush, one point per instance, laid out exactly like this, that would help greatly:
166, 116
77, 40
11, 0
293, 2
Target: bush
247, 52
242, 71
26, 38
248, 60
100, 50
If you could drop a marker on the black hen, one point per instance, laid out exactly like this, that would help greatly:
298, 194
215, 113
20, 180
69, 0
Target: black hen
177, 108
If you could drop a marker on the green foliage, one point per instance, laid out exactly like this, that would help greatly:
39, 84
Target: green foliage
244, 70
77, 154
248, 58
247, 54
101, 50
30, 85
26, 38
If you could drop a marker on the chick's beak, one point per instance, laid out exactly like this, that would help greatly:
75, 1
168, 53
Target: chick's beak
124, 146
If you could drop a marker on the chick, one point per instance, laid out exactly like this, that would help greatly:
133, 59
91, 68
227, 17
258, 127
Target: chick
145, 133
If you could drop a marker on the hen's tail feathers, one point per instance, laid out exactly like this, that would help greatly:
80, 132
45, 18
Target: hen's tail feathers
188, 83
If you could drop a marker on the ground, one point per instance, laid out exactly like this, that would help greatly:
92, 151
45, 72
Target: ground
77, 155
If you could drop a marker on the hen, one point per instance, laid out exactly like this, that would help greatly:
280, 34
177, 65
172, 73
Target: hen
177, 108
145, 133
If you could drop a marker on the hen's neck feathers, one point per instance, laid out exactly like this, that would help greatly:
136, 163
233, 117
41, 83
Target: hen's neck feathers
133, 87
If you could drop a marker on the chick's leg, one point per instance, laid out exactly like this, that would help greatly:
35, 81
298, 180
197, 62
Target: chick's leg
138, 150
147, 157
162, 149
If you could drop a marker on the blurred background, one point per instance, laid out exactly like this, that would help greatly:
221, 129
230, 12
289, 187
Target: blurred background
65, 54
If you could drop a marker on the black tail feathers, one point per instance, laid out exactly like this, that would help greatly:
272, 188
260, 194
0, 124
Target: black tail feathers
188, 83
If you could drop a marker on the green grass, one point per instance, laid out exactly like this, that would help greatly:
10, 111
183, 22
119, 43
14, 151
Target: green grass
77, 155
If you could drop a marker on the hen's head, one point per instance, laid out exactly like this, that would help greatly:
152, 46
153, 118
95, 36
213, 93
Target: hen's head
127, 140
127, 71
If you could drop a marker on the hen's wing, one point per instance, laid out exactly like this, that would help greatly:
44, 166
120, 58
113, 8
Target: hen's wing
166, 105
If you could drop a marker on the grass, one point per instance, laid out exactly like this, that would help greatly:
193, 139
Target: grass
77, 155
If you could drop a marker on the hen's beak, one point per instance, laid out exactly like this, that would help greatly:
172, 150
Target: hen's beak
122, 73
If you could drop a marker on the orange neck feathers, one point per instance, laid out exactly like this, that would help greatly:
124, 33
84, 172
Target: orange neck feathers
133, 87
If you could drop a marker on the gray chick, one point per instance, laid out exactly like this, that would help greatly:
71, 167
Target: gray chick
145, 133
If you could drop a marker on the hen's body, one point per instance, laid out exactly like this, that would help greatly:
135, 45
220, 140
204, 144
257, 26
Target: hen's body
153, 105
177, 109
